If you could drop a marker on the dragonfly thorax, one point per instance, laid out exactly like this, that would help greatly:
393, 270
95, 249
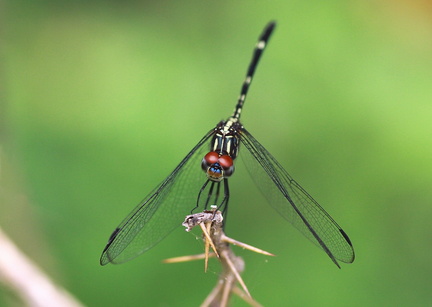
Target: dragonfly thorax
225, 140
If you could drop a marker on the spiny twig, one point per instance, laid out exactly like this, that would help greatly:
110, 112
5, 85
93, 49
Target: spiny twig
211, 223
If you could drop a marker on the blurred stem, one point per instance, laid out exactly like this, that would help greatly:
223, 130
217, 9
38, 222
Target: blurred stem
34, 287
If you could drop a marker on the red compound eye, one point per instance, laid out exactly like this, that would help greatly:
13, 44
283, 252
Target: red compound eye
217, 168
211, 158
225, 161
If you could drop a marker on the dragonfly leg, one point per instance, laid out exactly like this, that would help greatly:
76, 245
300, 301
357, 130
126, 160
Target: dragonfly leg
199, 195
224, 204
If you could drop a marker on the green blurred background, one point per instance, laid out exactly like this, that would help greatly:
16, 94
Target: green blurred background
101, 99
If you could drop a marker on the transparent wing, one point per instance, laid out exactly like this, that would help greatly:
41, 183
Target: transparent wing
161, 211
288, 198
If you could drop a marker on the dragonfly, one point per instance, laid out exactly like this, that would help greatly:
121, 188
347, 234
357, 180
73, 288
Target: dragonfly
201, 181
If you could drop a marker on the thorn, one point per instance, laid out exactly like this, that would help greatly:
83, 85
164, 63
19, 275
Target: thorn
245, 246
187, 258
208, 237
236, 274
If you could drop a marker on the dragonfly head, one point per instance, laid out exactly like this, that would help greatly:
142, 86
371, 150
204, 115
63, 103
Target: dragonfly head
216, 166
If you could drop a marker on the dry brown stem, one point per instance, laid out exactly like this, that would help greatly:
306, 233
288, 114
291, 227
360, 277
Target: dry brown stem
211, 224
